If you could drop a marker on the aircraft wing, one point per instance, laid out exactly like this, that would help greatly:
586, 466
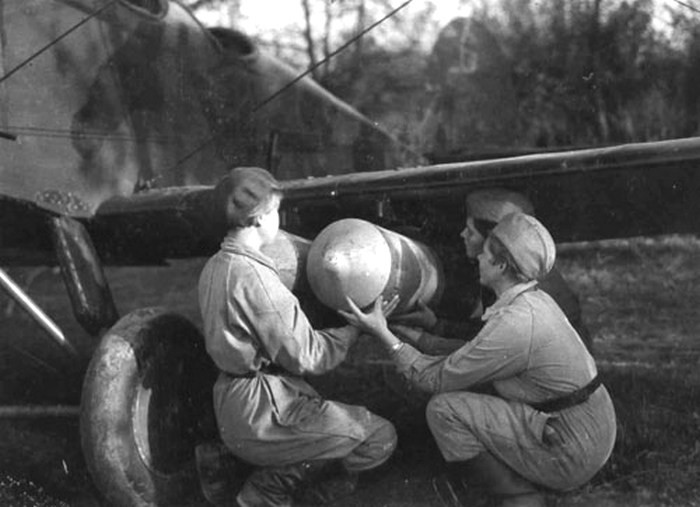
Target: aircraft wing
619, 191
111, 98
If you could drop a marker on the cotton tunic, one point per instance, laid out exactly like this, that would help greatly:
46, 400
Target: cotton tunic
529, 352
252, 321
553, 284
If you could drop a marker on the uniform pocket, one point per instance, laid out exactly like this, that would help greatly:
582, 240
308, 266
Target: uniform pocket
299, 411
552, 435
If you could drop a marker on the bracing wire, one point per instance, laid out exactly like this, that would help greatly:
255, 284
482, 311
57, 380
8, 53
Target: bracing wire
56, 133
299, 77
55, 41
691, 7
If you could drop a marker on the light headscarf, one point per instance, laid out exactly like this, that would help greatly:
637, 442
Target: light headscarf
528, 242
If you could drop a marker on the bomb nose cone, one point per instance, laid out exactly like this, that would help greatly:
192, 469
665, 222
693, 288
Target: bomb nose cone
349, 257
360, 260
336, 264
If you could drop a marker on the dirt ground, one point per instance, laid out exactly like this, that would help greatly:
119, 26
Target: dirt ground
640, 300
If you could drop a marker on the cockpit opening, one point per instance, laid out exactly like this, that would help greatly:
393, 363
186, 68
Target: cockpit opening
155, 8
233, 41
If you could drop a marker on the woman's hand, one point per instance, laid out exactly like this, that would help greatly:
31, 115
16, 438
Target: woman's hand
422, 316
373, 322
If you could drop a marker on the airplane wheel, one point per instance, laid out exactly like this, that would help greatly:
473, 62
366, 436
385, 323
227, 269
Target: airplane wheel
146, 403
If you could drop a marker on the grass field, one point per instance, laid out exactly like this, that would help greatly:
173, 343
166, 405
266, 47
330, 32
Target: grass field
640, 300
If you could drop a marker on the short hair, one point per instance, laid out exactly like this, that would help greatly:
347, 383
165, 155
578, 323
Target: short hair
245, 193
501, 255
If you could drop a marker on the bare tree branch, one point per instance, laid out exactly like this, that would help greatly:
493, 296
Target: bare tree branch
326, 37
308, 35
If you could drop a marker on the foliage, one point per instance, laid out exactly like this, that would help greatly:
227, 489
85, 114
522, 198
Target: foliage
595, 72
585, 73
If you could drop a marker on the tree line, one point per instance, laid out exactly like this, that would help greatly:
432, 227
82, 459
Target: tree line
583, 73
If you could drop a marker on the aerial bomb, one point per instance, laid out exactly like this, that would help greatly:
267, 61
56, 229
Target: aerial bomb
361, 260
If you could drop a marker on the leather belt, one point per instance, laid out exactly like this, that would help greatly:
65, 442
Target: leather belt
569, 400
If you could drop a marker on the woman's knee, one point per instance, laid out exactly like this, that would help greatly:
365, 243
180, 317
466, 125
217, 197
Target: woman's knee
438, 411
384, 441
377, 448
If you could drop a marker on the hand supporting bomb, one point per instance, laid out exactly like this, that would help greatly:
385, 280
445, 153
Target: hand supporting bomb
374, 322
422, 316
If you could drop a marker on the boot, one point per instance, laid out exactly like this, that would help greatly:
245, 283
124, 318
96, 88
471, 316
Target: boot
510, 488
333, 483
276, 486
221, 474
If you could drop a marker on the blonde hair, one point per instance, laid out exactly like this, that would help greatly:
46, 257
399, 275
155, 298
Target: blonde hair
244, 194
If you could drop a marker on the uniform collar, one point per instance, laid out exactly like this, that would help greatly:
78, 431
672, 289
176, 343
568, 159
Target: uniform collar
507, 297
231, 245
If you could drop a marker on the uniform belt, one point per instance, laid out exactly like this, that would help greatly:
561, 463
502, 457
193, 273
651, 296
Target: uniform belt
268, 369
569, 400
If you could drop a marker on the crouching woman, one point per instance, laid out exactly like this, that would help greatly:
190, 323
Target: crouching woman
263, 344
548, 421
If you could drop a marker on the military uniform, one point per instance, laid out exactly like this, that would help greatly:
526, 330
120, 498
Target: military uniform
553, 283
529, 352
262, 342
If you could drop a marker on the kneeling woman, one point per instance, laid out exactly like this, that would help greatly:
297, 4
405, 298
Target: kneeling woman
549, 421
263, 344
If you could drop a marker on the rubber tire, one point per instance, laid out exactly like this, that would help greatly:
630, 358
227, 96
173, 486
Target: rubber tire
146, 403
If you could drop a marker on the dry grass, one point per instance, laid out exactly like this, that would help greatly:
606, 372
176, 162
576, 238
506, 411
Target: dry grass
640, 298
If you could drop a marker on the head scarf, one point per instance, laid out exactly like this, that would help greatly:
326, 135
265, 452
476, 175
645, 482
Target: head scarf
528, 242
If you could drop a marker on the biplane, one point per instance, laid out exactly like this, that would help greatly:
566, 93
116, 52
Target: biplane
117, 117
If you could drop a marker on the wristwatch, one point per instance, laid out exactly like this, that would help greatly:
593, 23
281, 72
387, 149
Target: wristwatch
396, 346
